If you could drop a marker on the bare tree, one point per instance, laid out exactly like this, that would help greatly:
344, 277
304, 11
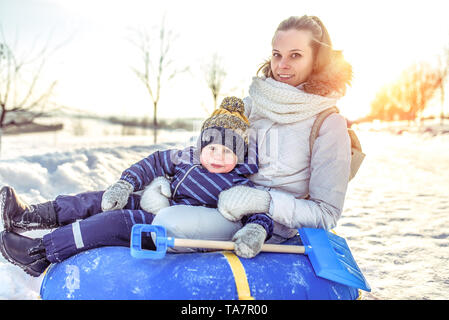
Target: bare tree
157, 66
23, 95
386, 104
443, 69
215, 74
408, 96
418, 86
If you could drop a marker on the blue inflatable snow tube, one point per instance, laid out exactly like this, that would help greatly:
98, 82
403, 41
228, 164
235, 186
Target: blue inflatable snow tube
112, 273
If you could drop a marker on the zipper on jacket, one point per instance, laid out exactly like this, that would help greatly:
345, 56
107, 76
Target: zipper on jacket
185, 176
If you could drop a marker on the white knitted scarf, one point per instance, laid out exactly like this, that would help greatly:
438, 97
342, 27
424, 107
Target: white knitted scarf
284, 103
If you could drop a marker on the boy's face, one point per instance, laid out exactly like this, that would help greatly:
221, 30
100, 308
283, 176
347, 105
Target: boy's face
217, 158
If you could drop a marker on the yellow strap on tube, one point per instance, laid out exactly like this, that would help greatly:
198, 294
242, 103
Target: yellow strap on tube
241, 281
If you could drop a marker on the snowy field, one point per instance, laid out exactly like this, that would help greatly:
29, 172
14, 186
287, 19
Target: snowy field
396, 216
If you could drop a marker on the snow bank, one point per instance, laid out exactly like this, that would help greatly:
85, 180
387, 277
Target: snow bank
42, 177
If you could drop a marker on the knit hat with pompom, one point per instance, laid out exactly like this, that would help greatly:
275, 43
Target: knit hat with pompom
227, 126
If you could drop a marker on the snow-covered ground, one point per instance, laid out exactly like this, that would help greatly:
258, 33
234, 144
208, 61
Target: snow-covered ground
396, 216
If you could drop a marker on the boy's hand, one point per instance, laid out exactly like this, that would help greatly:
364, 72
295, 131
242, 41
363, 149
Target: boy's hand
156, 195
249, 240
116, 196
238, 201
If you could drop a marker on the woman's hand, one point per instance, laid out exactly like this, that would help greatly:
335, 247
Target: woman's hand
249, 240
236, 202
116, 196
156, 195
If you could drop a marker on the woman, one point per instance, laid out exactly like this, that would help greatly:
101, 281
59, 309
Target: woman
303, 77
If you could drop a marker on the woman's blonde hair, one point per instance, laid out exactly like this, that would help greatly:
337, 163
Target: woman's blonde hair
321, 42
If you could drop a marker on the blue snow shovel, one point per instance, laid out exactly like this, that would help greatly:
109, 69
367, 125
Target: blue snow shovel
328, 253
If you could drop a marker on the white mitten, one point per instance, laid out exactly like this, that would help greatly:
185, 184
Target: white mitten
249, 240
238, 201
116, 196
155, 196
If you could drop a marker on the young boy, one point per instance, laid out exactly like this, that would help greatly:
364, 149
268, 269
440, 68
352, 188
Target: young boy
221, 160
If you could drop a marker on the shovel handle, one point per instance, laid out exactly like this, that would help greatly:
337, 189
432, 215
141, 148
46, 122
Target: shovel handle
229, 245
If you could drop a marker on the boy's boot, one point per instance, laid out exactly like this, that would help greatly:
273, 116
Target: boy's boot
27, 253
20, 217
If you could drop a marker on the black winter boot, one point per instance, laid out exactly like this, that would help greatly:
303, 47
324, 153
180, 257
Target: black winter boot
27, 253
20, 217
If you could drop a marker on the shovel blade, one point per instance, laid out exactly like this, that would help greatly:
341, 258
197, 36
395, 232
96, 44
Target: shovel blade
331, 258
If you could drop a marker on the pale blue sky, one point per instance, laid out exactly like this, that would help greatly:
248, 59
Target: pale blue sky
380, 38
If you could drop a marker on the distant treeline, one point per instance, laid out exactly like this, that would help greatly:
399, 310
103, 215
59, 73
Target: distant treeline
185, 124
32, 127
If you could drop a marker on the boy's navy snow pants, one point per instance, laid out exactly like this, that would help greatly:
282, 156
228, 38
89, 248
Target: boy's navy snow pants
84, 226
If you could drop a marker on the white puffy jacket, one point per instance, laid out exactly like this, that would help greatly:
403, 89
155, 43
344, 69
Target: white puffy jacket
289, 174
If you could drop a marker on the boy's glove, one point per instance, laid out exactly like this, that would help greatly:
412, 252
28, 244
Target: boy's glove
239, 201
155, 196
116, 196
249, 240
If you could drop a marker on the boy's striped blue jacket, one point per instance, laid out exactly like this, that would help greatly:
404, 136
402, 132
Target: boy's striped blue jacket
191, 183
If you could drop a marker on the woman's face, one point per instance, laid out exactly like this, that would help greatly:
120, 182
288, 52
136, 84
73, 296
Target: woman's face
292, 56
217, 158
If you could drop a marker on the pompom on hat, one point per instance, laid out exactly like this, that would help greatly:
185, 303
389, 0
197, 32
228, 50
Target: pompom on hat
230, 116
227, 126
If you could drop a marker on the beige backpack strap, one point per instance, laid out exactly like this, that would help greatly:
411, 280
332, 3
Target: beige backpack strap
357, 155
316, 130
317, 125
